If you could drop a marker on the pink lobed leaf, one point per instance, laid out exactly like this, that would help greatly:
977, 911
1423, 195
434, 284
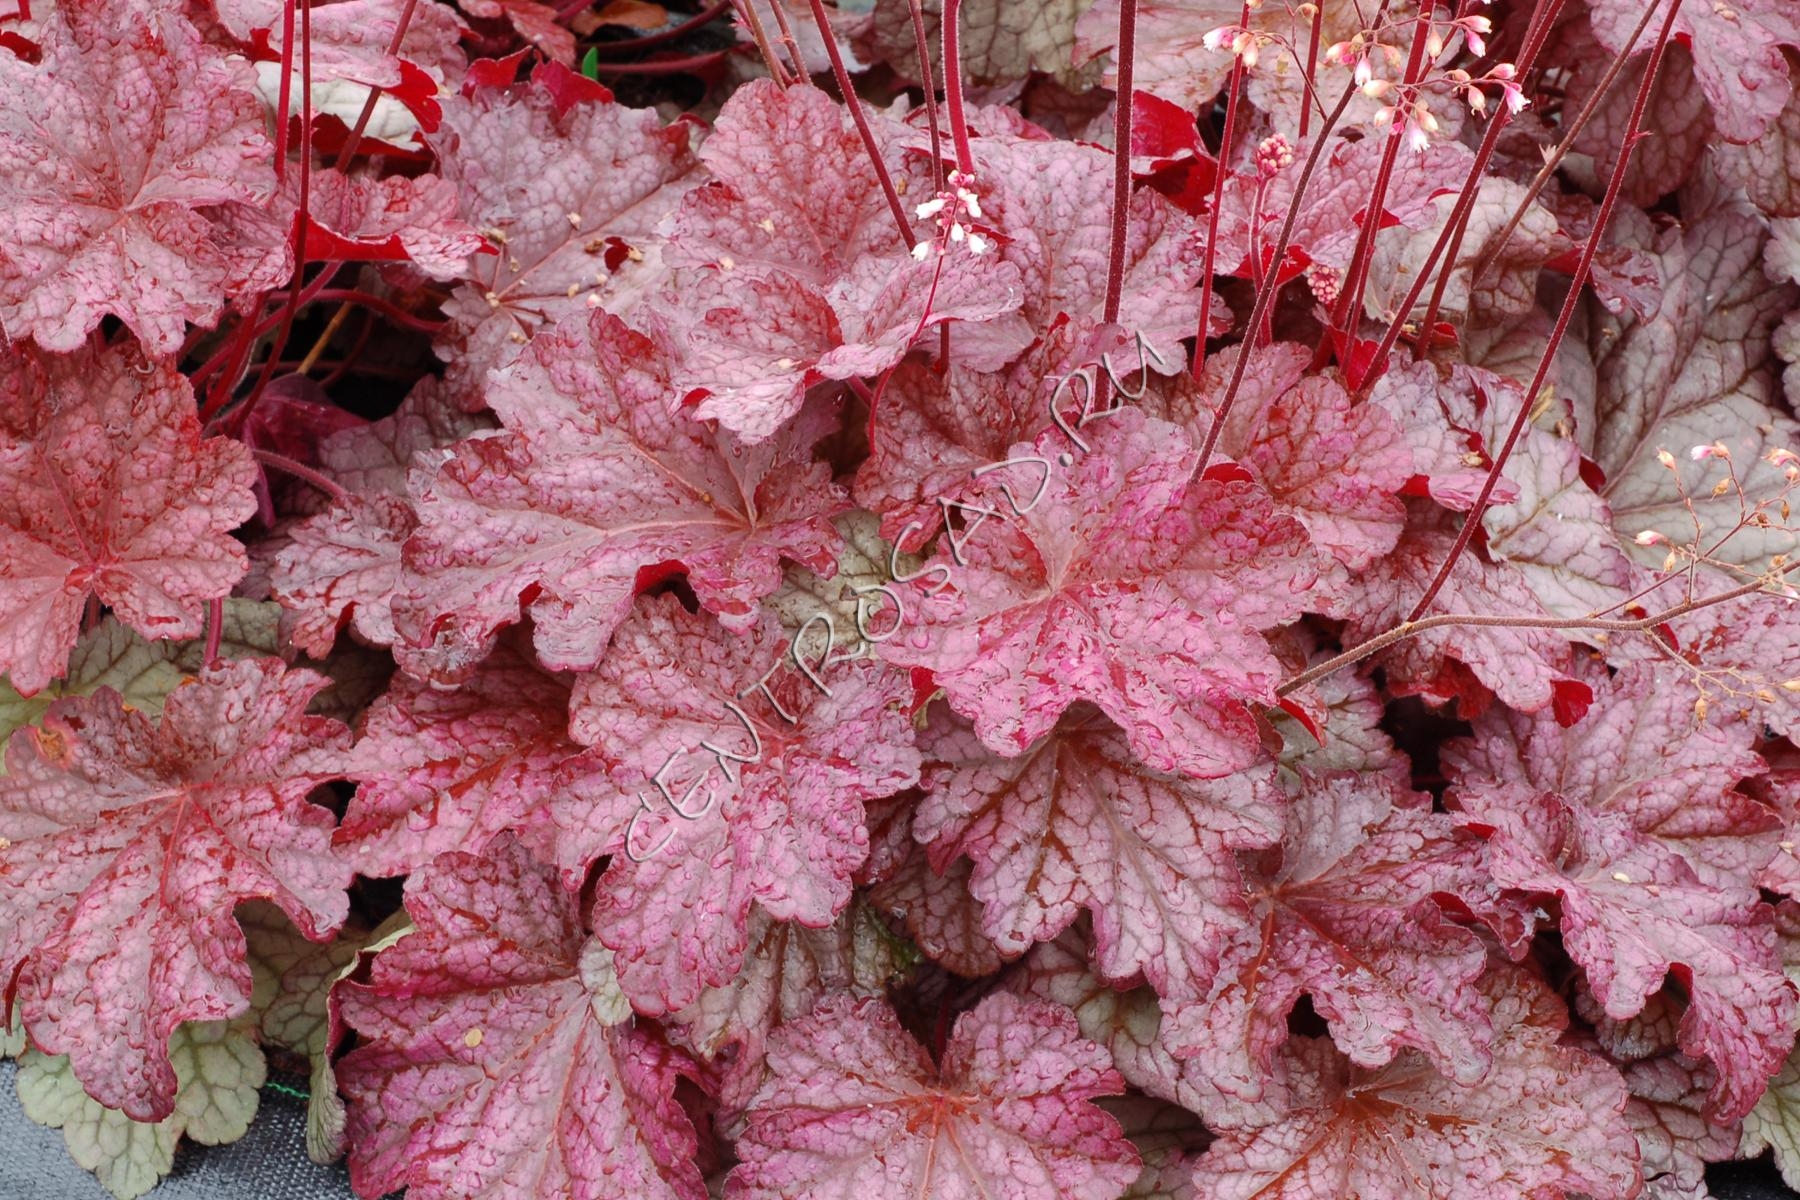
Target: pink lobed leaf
498, 1058
128, 840
855, 1108
108, 490
1127, 586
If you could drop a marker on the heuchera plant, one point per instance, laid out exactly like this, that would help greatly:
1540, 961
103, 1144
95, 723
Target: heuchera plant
969, 598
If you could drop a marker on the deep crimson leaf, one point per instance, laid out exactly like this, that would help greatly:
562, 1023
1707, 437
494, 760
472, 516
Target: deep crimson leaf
499, 1058
1343, 912
107, 489
760, 798
1075, 822
534, 22
1634, 911
591, 481
855, 1104
126, 843
353, 218
1545, 1122
116, 151
1126, 586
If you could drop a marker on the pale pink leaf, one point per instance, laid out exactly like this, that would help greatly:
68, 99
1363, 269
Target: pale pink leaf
723, 795
1546, 1121
115, 150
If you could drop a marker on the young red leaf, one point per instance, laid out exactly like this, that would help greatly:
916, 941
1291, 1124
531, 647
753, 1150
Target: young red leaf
108, 490
1124, 585
1344, 913
126, 843
1547, 1121
1632, 912
1639, 754
734, 796
571, 200
1076, 822
115, 150
498, 1057
856, 1108
534, 22
592, 481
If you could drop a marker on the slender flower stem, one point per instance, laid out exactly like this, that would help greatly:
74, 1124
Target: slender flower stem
1472, 520
368, 108
1121, 198
1449, 242
787, 39
1413, 628
301, 471
1312, 61
1203, 331
953, 93
931, 108
1350, 299
1265, 296
854, 103
302, 212
753, 21
1498, 243
664, 66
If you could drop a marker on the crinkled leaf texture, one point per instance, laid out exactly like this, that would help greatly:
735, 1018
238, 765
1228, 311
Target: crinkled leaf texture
126, 843
1634, 912
855, 1108
117, 151
219, 1069
108, 490
1344, 912
1123, 583
1077, 823
724, 794
571, 199
591, 482
1546, 1121
498, 1058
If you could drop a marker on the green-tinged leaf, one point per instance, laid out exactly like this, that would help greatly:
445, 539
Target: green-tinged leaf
143, 672
219, 1068
1774, 1124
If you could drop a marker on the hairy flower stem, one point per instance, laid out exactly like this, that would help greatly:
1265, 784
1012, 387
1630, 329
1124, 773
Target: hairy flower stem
1356, 278
854, 104
1312, 62
1218, 200
787, 39
1121, 198
1265, 296
1497, 243
1449, 242
1412, 628
931, 109
301, 471
754, 23
953, 93
1472, 520
368, 108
